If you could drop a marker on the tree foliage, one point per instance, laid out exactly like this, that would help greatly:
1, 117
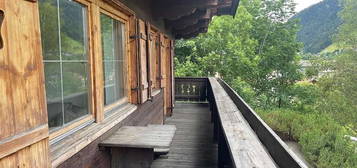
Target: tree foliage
258, 45
318, 24
256, 52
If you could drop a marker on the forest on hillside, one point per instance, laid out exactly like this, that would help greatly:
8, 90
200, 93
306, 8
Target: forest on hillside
258, 54
318, 24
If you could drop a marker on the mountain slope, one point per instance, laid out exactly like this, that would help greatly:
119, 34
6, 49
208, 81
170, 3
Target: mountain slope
318, 24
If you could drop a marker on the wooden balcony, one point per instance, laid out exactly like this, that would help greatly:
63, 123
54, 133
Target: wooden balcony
216, 128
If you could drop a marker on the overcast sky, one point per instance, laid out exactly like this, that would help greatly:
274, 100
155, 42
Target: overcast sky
302, 4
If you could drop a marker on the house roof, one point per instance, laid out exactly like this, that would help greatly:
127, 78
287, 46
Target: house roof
188, 18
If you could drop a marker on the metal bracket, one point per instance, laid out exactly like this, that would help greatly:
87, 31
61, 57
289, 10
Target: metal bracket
138, 36
2, 16
134, 37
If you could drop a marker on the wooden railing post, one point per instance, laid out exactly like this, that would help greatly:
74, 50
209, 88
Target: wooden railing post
191, 89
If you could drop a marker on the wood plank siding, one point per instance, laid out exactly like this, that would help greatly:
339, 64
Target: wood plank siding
23, 117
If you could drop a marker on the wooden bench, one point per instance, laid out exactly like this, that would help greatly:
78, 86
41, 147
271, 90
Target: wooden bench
133, 146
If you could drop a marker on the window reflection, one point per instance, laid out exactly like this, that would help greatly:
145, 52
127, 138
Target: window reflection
65, 52
113, 44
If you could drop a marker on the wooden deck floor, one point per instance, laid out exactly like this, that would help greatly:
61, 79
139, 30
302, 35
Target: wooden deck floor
192, 146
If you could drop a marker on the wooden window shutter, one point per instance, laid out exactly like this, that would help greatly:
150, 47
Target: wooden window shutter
134, 61
143, 61
172, 72
163, 57
150, 58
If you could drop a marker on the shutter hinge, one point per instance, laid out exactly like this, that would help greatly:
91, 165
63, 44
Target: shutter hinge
138, 36
134, 36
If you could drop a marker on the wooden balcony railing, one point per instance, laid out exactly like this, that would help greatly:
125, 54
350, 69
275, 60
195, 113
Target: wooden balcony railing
243, 138
191, 89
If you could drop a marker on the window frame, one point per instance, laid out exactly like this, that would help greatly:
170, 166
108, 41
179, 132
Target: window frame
124, 19
88, 118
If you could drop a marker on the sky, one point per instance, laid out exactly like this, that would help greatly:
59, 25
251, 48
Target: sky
302, 4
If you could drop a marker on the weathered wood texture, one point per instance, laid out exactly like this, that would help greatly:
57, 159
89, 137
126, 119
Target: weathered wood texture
147, 113
143, 59
165, 72
134, 62
244, 146
133, 146
191, 89
151, 136
276, 147
169, 65
192, 146
185, 17
23, 116
97, 68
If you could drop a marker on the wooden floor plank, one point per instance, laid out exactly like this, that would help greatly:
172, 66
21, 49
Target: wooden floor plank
192, 146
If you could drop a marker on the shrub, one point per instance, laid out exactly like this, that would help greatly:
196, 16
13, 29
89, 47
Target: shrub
322, 139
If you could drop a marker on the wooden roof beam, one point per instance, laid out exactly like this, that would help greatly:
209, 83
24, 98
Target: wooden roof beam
193, 34
189, 20
175, 9
193, 28
191, 3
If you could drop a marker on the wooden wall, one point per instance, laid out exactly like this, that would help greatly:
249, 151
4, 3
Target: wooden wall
23, 116
91, 155
24, 135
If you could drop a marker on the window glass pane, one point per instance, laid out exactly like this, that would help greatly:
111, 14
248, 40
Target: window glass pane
53, 94
113, 44
75, 90
121, 81
73, 30
107, 37
49, 29
65, 59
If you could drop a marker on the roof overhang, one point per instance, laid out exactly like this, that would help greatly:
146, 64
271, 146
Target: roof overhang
188, 18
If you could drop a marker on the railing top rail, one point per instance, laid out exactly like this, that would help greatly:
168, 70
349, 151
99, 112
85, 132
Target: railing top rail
244, 146
188, 77
277, 149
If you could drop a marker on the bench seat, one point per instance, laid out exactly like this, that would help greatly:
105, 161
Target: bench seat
133, 146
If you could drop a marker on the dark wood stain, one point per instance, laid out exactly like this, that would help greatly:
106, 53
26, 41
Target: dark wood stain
151, 112
192, 146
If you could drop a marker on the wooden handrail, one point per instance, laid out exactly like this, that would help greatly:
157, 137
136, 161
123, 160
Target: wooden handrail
277, 149
244, 139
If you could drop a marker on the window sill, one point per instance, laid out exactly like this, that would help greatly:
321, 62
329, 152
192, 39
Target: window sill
72, 144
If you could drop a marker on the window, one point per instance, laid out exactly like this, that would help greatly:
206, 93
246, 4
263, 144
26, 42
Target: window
113, 51
64, 37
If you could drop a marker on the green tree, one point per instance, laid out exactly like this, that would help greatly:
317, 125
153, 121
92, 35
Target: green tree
339, 86
258, 45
